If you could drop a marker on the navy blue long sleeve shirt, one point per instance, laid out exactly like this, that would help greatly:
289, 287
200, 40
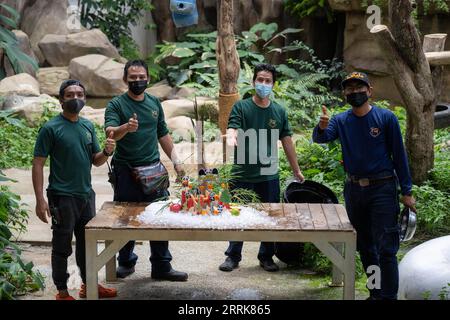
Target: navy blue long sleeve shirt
370, 144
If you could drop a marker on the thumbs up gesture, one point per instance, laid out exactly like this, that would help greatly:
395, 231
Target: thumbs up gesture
324, 118
133, 123
110, 143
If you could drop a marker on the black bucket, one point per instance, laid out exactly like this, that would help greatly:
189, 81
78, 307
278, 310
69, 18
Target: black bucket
292, 253
309, 192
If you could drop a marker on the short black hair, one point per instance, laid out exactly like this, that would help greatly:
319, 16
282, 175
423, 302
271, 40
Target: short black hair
265, 67
134, 63
68, 83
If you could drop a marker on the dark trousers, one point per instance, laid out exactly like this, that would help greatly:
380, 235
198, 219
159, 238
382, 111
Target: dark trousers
268, 191
128, 190
69, 216
374, 211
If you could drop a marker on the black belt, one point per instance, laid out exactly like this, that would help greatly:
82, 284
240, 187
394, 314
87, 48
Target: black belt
364, 182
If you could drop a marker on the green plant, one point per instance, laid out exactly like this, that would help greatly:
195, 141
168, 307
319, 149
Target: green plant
313, 259
9, 43
433, 207
440, 174
444, 293
302, 86
129, 48
17, 139
16, 276
423, 7
195, 62
306, 8
113, 17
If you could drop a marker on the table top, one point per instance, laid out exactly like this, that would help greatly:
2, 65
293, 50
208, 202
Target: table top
289, 217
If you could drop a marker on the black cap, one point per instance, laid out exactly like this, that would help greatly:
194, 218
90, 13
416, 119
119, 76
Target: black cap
68, 83
358, 76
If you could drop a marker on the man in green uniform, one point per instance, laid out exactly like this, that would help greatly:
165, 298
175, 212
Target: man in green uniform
72, 145
254, 128
136, 120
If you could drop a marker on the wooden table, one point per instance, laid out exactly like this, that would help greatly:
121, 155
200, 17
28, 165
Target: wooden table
325, 225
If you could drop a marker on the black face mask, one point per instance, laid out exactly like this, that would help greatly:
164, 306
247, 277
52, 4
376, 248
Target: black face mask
137, 87
73, 106
357, 99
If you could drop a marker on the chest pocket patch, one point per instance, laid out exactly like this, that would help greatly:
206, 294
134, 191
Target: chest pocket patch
272, 123
375, 132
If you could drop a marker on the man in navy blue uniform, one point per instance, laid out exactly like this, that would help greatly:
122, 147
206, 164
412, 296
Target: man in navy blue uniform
376, 163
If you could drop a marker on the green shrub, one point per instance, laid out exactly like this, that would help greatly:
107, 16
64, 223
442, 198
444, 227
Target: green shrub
113, 17
313, 259
433, 210
16, 276
17, 139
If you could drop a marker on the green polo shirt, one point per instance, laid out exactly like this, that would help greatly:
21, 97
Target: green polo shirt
71, 147
141, 147
261, 129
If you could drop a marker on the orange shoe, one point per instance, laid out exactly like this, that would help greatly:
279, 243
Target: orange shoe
68, 297
102, 292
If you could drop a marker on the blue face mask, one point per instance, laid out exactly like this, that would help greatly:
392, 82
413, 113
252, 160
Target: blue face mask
263, 90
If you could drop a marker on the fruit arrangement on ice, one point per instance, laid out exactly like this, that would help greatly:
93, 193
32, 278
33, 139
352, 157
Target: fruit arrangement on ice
205, 202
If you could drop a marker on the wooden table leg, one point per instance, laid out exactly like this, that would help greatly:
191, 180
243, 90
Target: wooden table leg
349, 268
91, 266
337, 279
110, 265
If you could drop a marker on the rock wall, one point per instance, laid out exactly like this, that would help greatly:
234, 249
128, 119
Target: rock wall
361, 52
247, 13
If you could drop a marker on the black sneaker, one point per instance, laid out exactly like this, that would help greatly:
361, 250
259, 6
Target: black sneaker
123, 272
269, 265
172, 275
228, 265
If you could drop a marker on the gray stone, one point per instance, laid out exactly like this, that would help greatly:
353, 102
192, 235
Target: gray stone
181, 127
31, 108
50, 79
94, 115
44, 17
59, 50
160, 90
102, 76
183, 93
21, 84
184, 107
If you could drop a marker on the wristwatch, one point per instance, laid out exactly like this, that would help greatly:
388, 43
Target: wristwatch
107, 154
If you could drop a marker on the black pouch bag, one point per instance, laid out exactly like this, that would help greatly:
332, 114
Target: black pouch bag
151, 178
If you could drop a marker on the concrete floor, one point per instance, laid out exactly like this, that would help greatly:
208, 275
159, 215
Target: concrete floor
206, 281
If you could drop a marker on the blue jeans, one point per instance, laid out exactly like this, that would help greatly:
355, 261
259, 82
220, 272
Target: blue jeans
268, 191
128, 190
373, 212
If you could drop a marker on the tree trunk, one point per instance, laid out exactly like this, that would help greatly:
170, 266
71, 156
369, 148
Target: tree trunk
228, 63
417, 84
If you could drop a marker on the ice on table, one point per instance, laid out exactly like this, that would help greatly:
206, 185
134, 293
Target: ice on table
158, 213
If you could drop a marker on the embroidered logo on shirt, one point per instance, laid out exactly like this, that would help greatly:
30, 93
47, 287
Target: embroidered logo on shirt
375, 132
89, 136
155, 114
272, 123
